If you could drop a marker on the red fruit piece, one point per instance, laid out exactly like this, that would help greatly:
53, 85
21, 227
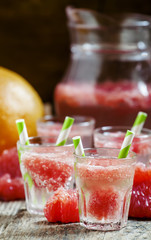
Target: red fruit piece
142, 174
9, 163
140, 205
103, 203
11, 189
62, 206
11, 183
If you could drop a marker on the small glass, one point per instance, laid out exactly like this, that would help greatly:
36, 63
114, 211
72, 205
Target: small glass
44, 167
104, 184
83, 126
112, 136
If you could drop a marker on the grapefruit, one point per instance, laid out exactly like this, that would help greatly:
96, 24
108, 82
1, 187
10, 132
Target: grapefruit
62, 206
11, 183
140, 205
18, 99
11, 188
9, 163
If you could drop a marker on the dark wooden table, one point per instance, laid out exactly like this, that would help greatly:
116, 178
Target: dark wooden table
17, 224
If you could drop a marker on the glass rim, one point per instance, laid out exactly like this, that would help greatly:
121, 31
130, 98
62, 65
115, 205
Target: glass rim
85, 120
146, 131
100, 29
107, 157
43, 145
139, 21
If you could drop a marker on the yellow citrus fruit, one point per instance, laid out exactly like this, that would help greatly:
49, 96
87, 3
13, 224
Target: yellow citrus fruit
18, 99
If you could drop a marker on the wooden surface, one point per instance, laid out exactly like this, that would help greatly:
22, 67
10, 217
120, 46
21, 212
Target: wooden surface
17, 224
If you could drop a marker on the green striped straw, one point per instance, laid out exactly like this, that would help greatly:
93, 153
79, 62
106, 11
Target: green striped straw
126, 144
64, 133
139, 122
22, 131
23, 137
77, 142
78, 146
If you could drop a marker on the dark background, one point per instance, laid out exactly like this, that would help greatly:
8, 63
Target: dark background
34, 38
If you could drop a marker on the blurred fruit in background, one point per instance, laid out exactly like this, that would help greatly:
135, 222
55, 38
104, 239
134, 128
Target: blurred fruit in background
18, 99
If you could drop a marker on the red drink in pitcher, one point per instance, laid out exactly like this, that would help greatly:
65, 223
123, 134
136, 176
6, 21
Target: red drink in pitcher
110, 103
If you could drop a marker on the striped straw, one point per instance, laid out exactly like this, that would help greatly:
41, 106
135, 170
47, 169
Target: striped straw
22, 131
23, 137
126, 144
64, 133
77, 142
30, 181
139, 122
78, 146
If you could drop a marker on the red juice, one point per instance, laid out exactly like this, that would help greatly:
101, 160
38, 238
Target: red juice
110, 103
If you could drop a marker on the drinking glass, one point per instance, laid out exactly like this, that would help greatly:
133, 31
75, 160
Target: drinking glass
83, 126
104, 184
112, 136
45, 168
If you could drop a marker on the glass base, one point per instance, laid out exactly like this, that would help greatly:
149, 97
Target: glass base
103, 226
35, 211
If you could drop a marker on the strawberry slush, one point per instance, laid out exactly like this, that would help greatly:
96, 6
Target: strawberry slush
140, 205
45, 168
104, 184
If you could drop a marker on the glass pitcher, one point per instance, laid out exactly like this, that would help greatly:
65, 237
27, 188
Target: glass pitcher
109, 75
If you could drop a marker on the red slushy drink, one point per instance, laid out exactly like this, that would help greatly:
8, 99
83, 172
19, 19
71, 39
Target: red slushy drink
104, 183
141, 193
45, 168
110, 103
